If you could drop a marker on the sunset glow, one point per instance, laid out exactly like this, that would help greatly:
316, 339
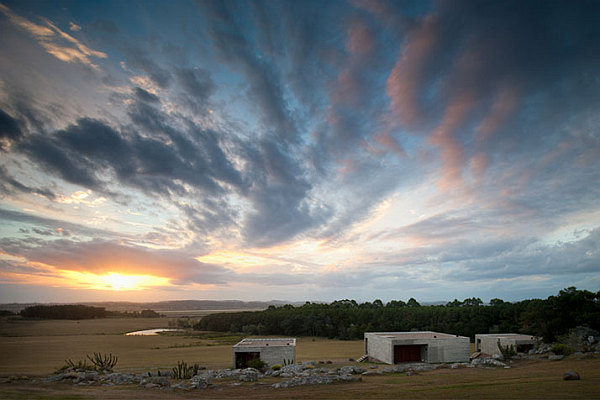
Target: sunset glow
115, 281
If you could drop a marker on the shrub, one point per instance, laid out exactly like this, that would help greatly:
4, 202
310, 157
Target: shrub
103, 362
276, 367
258, 364
561, 349
183, 371
507, 351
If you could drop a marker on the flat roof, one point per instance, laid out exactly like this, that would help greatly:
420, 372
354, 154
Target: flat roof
508, 335
413, 335
266, 342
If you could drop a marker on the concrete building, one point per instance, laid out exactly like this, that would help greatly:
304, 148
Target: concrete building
426, 346
488, 343
272, 351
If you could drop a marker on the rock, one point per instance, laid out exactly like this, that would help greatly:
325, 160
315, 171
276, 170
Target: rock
556, 357
458, 365
371, 373
487, 362
292, 369
199, 382
411, 373
591, 339
155, 381
151, 386
248, 378
423, 367
181, 385
498, 357
571, 376
350, 369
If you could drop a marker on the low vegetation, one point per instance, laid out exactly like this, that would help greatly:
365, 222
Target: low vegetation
507, 351
183, 371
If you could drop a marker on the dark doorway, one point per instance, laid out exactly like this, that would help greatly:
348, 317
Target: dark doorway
407, 353
243, 358
524, 348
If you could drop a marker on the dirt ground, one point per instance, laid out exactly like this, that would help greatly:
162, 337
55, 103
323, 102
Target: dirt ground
526, 379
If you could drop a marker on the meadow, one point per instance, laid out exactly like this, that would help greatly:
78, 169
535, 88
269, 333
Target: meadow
37, 348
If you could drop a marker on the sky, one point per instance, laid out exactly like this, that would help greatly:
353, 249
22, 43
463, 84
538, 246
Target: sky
298, 150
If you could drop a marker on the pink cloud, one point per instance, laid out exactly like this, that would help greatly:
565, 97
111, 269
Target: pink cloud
347, 88
452, 154
404, 81
360, 41
390, 143
505, 102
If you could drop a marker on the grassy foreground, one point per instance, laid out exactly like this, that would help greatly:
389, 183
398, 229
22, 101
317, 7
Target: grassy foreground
39, 347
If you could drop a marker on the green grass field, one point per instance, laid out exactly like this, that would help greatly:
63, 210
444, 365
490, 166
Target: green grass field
36, 348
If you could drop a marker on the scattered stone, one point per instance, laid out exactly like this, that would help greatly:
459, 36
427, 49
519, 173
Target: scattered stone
411, 373
487, 362
571, 376
498, 357
374, 366
348, 370
458, 365
371, 373
556, 357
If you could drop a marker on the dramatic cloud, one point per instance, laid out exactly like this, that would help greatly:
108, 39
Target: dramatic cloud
302, 149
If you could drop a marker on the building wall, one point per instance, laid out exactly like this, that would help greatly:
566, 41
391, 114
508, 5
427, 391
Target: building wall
270, 354
438, 350
379, 348
489, 343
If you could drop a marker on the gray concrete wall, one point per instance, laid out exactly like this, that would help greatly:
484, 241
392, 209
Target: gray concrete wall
379, 348
489, 342
438, 350
270, 354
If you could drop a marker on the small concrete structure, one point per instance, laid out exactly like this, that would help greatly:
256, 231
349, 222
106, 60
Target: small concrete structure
425, 346
488, 343
280, 351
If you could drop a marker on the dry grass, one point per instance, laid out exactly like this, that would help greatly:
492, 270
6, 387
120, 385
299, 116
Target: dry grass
41, 347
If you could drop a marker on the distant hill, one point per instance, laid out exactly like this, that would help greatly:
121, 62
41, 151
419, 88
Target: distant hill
172, 305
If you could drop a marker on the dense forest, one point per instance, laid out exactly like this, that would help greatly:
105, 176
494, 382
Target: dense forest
80, 311
347, 319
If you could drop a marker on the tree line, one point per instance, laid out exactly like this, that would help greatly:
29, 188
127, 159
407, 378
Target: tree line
347, 319
79, 311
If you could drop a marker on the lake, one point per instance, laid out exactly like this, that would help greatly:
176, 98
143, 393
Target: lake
150, 332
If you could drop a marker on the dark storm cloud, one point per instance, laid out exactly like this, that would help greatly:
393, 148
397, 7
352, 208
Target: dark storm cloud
279, 195
84, 153
52, 224
9, 185
196, 83
146, 96
9, 127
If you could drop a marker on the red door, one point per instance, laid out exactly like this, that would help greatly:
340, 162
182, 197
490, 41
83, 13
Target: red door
407, 353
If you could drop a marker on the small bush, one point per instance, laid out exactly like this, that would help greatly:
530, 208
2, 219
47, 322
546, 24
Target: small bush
103, 362
561, 349
258, 364
183, 371
276, 367
507, 351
